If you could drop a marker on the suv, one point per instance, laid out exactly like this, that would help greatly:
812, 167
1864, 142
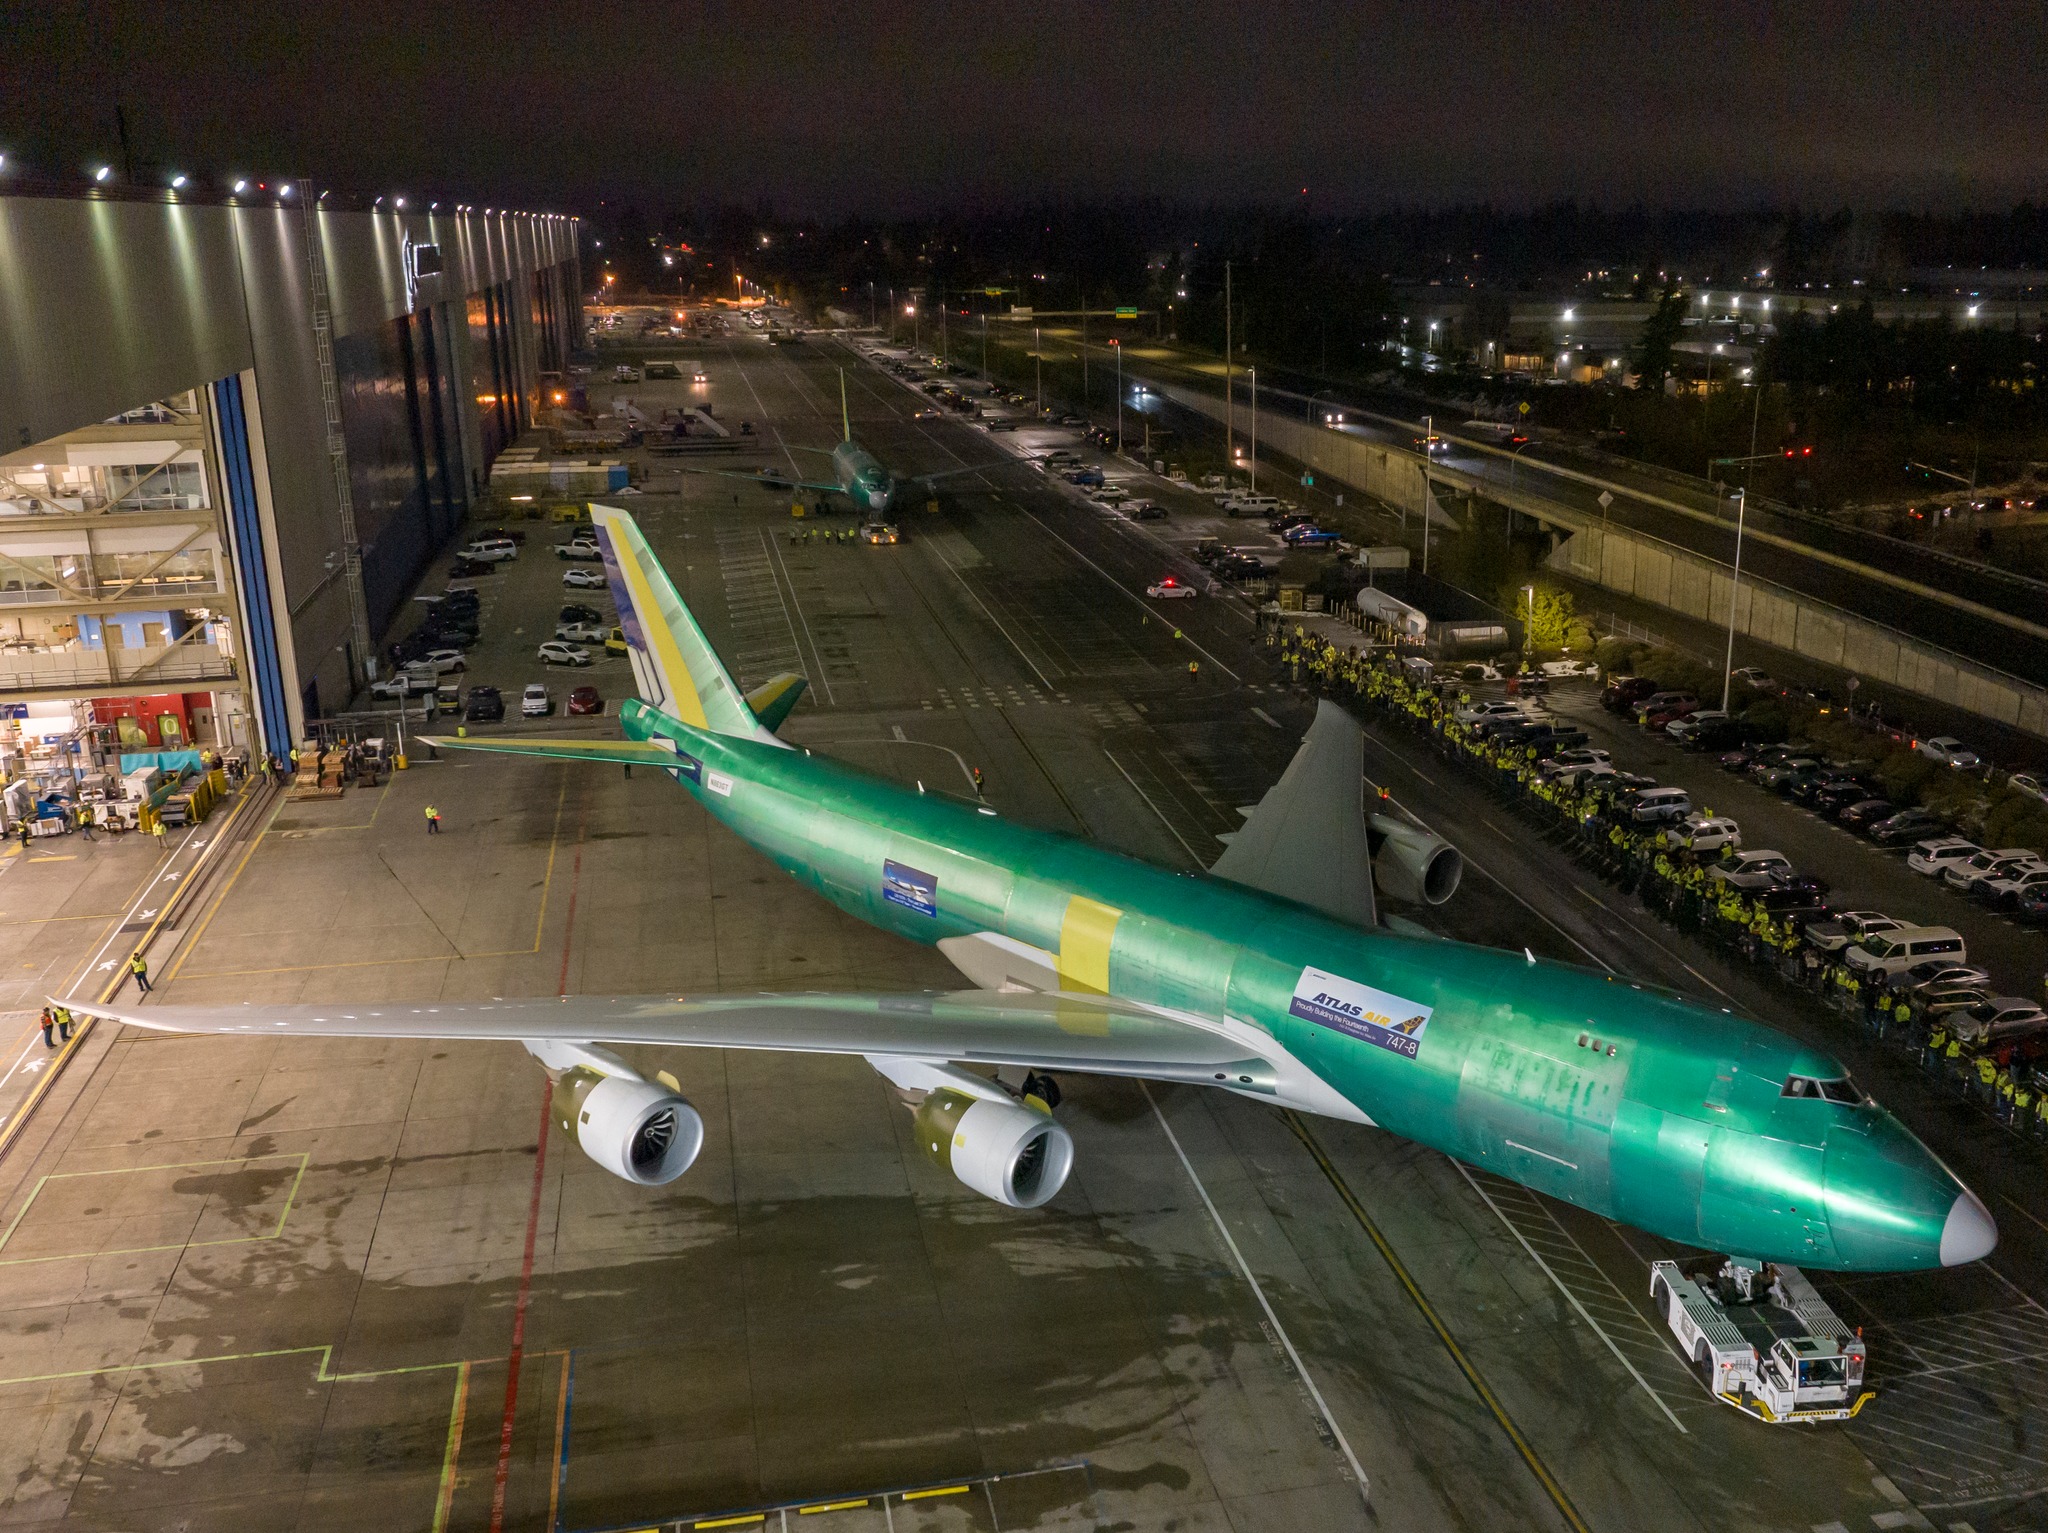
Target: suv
1986, 866
1704, 833
483, 706
1753, 870
491, 551
1622, 693
1894, 952
1847, 926
1655, 806
1906, 825
1950, 752
1940, 853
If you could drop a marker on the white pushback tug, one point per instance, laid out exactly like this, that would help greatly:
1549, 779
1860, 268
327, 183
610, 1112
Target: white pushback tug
1762, 1340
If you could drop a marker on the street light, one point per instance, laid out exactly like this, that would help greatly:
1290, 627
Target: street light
1529, 628
1038, 361
1253, 467
1119, 345
1734, 586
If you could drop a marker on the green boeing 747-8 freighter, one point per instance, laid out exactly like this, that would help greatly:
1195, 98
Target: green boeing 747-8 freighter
1269, 978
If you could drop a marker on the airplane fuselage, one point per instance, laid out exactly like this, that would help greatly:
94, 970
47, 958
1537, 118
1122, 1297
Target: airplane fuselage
1627, 1101
862, 479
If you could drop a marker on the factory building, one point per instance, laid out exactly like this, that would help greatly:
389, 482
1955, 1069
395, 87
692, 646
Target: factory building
232, 436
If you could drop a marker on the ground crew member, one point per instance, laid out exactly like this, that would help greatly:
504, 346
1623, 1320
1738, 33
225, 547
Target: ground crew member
139, 967
64, 1023
85, 820
1194, 671
22, 829
977, 782
2023, 1104
49, 1021
158, 829
433, 821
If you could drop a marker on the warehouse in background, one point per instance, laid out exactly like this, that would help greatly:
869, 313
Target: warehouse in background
232, 435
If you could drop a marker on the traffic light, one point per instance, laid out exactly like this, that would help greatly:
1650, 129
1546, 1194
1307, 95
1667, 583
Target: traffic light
1799, 452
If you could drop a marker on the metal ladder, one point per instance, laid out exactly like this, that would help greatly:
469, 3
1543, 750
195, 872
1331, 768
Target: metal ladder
337, 444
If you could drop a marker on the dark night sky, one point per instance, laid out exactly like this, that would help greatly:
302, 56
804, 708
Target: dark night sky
832, 108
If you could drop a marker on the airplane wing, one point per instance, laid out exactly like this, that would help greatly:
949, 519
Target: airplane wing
1090, 1034
770, 481
1306, 839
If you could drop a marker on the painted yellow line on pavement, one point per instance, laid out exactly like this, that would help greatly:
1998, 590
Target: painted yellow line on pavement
832, 1506
1551, 1487
445, 1500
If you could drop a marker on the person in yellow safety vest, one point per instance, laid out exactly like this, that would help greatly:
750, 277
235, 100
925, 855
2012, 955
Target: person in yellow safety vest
1902, 1011
1987, 1073
2002, 1087
2022, 1103
1953, 1049
139, 967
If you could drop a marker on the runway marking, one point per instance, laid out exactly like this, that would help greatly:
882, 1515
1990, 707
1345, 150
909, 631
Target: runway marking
975, 596
1260, 713
1548, 1481
1329, 1419
775, 557
445, 1501
284, 1213
1193, 856
1558, 1283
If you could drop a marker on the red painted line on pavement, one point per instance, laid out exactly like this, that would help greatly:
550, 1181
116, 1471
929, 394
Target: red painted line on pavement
540, 1167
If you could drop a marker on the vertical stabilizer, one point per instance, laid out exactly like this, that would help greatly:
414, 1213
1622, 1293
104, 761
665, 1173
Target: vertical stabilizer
674, 666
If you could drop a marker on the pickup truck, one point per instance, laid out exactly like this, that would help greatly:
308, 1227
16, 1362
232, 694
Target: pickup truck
1309, 536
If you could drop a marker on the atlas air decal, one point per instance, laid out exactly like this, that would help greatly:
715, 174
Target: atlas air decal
1359, 1011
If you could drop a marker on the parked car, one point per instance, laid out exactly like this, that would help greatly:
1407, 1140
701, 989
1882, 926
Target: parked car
1169, 588
2029, 785
1145, 511
534, 702
1864, 813
1670, 704
1704, 833
1803, 900
1965, 874
1998, 1020
1655, 806
577, 612
1469, 714
491, 550
583, 579
579, 548
1950, 752
2032, 907
1779, 776
1831, 798
444, 660
1907, 826
2008, 891
581, 633
1753, 870
1110, 494
555, 652
1936, 854
1622, 693
1683, 728
1849, 926
1933, 973
1894, 952
465, 568
585, 700
483, 706
403, 685
516, 534
1753, 678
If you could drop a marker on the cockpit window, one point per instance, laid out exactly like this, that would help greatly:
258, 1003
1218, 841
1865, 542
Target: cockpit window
1841, 1089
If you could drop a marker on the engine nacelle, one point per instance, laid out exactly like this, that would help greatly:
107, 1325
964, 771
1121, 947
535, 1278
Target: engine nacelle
1409, 863
634, 1129
1014, 1154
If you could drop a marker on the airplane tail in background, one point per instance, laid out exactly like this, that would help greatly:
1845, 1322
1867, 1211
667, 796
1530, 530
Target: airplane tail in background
674, 666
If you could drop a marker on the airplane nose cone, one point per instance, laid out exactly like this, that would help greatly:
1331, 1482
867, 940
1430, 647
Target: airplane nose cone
1968, 1234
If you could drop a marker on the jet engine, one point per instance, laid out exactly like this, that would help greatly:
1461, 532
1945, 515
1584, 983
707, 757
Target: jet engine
1413, 864
1003, 1150
635, 1129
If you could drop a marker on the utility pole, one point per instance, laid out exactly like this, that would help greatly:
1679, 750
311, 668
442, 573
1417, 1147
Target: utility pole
1119, 345
1734, 586
1229, 393
1038, 359
1084, 353
1252, 463
984, 345
944, 355
1428, 433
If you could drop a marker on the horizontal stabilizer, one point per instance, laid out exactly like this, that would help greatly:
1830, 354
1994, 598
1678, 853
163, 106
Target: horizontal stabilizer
1306, 839
1088, 1033
775, 697
625, 752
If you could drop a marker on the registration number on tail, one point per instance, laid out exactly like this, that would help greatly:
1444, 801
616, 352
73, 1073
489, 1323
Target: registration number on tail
1360, 1011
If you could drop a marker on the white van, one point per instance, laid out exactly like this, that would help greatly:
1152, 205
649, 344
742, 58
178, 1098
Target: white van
1894, 952
1252, 505
491, 550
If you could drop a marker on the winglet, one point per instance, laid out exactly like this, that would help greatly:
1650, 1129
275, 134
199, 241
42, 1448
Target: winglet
1306, 839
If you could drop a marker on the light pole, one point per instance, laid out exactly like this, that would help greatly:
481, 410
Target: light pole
1229, 388
1253, 462
1119, 345
1734, 586
1428, 436
1038, 360
1529, 628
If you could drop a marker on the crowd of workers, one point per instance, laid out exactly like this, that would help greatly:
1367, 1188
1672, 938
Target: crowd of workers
2008, 1079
